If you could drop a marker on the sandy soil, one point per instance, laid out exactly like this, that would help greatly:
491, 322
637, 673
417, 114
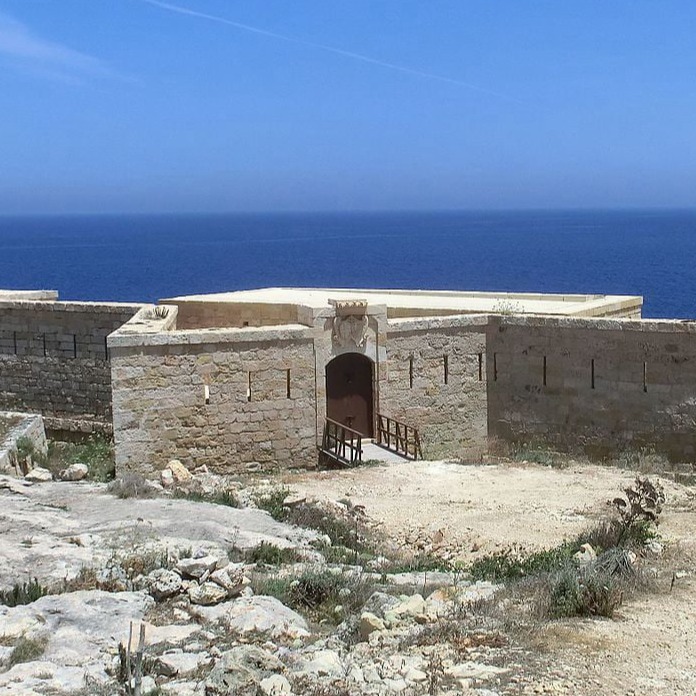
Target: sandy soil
649, 648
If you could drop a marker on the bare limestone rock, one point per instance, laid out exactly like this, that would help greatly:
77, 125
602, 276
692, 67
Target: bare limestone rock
176, 662
257, 615
231, 578
197, 567
207, 594
275, 685
39, 475
75, 472
240, 671
180, 473
163, 583
369, 623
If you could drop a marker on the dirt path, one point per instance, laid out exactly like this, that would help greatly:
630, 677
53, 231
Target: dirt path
649, 649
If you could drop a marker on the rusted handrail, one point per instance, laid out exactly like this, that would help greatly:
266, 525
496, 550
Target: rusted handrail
398, 437
341, 443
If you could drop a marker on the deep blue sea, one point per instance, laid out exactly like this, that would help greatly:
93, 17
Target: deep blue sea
143, 258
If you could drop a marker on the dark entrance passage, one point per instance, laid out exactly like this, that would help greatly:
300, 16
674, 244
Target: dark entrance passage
349, 392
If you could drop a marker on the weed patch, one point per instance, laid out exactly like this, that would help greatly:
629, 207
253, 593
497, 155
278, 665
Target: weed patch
24, 593
27, 650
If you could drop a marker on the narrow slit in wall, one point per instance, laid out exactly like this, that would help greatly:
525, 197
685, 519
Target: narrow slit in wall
544, 375
480, 367
445, 368
248, 386
74, 345
645, 377
288, 394
44, 344
592, 374
495, 367
410, 372
14, 340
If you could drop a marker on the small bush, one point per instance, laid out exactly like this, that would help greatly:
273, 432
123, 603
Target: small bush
513, 564
131, 486
347, 532
97, 452
224, 497
640, 508
272, 503
27, 650
594, 590
318, 592
269, 554
26, 593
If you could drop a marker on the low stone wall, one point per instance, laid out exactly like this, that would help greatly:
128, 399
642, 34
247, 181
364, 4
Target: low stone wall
598, 386
54, 360
437, 382
235, 400
26, 425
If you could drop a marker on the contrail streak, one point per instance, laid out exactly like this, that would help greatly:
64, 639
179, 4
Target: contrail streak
323, 47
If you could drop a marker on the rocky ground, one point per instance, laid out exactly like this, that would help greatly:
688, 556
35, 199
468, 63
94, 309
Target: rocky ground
236, 602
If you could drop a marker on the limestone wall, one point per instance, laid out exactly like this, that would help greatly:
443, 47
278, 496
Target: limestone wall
54, 360
236, 399
436, 381
205, 315
598, 386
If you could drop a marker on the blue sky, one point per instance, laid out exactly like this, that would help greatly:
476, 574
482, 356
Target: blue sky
137, 106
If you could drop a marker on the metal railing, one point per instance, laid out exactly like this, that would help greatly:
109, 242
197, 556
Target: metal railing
341, 443
398, 437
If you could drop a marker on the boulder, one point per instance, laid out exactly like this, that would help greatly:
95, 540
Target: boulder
163, 583
75, 472
39, 475
166, 478
324, 663
240, 671
275, 685
585, 555
180, 473
257, 615
197, 567
175, 663
369, 623
231, 579
207, 594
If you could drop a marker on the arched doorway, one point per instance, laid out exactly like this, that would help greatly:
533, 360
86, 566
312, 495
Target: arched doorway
349, 397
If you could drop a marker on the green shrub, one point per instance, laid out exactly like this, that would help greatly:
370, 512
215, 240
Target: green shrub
224, 497
96, 451
318, 591
272, 503
589, 592
26, 593
343, 532
269, 554
513, 564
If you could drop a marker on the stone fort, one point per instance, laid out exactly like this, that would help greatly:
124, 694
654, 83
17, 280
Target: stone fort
254, 380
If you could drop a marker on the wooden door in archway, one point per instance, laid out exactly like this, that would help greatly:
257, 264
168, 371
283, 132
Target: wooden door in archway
349, 396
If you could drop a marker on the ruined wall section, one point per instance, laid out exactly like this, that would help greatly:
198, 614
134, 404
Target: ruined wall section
236, 400
436, 381
54, 360
596, 386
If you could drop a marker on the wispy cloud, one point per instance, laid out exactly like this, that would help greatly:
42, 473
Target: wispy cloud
27, 50
179, 9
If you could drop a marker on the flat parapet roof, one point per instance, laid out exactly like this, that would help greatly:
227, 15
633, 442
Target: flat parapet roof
404, 303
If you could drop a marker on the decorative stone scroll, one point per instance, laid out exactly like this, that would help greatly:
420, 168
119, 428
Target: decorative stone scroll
350, 323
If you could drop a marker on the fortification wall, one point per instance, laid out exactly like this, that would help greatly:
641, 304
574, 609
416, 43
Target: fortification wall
54, 360
598, 386
235, 400
205, 315
437, 382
